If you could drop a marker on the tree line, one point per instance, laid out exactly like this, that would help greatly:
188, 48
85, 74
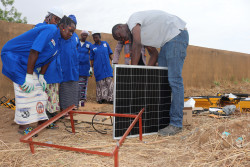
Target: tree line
9, 13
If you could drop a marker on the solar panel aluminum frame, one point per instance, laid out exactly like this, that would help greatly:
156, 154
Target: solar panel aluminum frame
114, 94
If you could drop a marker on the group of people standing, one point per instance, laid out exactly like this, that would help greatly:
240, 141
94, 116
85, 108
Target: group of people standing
51, 53
50, 66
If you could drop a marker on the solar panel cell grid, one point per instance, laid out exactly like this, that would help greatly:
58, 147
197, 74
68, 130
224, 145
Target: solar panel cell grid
138, 87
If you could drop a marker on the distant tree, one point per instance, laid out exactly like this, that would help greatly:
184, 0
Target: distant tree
11, 15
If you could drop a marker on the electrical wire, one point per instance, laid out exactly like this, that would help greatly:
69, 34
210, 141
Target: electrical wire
92, 123
66, 126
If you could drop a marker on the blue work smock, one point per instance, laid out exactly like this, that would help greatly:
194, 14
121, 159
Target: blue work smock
102, 67
84, 56
15, 53
69, 58
40, 24
53, 73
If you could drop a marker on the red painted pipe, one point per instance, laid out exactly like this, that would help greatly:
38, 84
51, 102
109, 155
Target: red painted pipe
116, 160
32, 148
47, 123
69, 148
72, 122
140, 128
130, 127
106, 114
128, 131
27, 138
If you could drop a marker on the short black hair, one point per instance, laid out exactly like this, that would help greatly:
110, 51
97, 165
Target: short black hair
66, 21
114, 29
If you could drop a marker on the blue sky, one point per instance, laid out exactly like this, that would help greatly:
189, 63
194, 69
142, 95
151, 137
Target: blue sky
219, 24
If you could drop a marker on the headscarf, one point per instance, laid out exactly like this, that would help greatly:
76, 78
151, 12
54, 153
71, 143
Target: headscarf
85, 31
73, 18
96, 32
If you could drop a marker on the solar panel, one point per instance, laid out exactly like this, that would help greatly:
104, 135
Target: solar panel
138, 87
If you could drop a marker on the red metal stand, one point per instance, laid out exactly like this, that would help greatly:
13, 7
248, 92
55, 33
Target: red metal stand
28, 138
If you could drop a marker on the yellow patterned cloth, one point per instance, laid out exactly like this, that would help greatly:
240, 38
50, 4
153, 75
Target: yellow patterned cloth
52, 91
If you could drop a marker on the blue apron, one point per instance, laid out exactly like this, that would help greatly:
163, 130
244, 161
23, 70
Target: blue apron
53, 73
102, 67
84, 55
15, 53
69, 58
40, 24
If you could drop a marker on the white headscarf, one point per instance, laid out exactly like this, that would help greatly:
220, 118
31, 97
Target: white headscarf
85, 31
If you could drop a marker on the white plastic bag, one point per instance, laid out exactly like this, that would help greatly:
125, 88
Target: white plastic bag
190, 103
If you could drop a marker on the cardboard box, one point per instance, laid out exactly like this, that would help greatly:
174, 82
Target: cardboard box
187, 116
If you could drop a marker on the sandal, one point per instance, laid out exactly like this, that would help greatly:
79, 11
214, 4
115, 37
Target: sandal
52, 126
26, 131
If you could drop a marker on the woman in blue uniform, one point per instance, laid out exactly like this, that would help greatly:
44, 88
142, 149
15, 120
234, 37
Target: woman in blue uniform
69, 88
20, 57
54, 15
102, 69
84, 50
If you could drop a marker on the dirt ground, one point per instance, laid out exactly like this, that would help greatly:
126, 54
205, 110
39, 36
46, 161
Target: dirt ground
201, 144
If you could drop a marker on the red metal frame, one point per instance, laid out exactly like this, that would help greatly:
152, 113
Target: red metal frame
28, 138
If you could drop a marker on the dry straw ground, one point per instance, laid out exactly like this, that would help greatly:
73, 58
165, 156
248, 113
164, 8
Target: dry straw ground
200, 144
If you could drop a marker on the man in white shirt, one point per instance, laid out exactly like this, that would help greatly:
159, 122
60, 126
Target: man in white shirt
158, 29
